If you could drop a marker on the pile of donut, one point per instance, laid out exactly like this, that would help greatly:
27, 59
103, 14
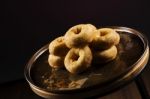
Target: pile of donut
81, 46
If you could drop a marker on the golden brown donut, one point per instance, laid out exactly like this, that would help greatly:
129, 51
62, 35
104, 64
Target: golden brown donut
58, 47
79, 35
78, 59
56, 61
104, 55
105, 38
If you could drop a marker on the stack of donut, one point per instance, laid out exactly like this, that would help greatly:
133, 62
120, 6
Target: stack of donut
81, 46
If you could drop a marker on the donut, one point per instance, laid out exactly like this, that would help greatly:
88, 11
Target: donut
105, 38
78, 59
103, 56
79, 35
56, 61
58, 47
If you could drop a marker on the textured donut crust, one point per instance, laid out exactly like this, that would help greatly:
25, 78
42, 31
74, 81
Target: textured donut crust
56, 61
78, 59
58, 47
105, 55
79, 35
105, 38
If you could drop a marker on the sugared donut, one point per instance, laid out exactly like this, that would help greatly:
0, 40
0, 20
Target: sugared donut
56, 61
78, 59
58, 47
105, 38
79, 35
105, 55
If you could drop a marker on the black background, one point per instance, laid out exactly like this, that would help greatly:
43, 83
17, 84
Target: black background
27, 25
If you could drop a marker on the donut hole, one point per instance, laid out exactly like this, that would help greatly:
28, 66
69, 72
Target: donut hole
77, 30
59, 40
103, 33
75, 57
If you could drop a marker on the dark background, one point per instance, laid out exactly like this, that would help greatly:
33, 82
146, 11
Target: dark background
27, 25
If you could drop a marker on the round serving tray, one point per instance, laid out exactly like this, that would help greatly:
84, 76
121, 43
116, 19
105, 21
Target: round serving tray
133, 54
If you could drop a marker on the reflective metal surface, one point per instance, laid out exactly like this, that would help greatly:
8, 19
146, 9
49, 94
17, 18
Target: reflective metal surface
133, 54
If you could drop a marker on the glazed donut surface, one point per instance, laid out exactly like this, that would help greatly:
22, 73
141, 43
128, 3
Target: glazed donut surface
83, 46
79, 35
78, 59
58, 47
105, 38
56, 61
104, 56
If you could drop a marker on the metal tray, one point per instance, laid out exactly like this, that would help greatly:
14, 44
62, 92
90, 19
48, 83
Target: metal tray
133, 54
